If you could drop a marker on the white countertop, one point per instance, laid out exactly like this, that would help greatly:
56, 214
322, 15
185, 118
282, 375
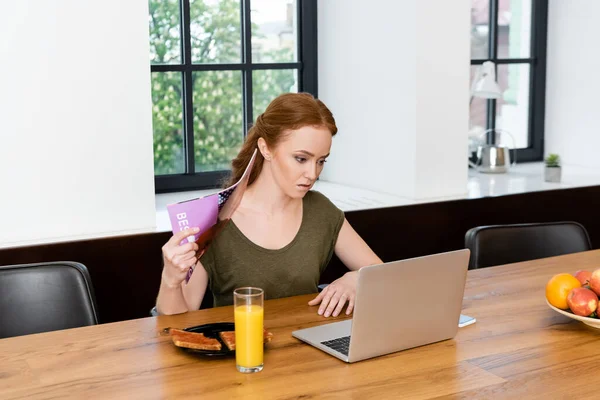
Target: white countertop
523, 178
528, 177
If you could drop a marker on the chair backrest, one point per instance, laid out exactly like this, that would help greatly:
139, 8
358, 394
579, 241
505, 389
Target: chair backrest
45, 297
504, 244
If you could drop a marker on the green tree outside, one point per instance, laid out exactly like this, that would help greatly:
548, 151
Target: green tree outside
217, 95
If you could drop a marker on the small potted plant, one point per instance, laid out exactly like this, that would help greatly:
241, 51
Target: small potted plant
552, 171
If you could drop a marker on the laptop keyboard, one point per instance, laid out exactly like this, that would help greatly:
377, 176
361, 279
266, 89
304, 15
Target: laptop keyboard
340, 345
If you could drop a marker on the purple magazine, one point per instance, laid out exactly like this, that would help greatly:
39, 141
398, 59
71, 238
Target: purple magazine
210, 213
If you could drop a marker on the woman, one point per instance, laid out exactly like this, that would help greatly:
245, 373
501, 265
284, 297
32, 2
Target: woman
282, 235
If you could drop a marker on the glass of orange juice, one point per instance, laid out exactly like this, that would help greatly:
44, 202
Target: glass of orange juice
248, 310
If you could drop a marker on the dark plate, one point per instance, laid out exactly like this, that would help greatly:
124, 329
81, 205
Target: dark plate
212, 331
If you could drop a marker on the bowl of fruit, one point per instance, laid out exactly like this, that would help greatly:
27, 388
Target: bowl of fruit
575, 296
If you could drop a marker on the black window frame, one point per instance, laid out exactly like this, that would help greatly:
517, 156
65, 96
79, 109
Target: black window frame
306, 65
537, 77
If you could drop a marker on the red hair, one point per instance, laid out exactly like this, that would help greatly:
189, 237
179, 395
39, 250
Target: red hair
286, 112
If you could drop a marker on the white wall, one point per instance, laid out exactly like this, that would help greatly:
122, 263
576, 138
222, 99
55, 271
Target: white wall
443, 40
356, 40
572, 127
396, 77
75, 121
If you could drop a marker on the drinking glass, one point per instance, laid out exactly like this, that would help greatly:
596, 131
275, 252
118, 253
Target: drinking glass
248, 311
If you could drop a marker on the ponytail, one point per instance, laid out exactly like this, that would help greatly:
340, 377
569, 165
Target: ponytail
240, 162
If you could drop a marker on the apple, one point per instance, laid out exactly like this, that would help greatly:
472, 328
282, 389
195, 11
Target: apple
595, 281
582, 302
583, 276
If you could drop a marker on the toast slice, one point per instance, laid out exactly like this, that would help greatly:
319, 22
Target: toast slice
193, 340
228, 337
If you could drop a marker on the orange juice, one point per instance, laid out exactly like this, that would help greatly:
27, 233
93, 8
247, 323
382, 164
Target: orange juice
249, 335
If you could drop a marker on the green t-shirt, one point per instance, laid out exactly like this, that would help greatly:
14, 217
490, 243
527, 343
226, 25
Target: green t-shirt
234, 261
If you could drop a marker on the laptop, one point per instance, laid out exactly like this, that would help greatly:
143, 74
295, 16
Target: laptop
399, 305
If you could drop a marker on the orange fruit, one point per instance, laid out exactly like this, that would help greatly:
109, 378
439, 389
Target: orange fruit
558, 289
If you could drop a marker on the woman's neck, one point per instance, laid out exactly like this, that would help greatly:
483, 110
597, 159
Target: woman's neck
265, 195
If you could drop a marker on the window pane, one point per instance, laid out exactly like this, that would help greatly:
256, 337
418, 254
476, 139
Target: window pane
270, 83
167, 122
514, 28
165, 38
512, 109
215, 31
480, 17
477, 116
218, 132
274, 31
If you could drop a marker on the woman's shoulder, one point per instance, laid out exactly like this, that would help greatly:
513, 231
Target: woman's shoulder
318, 199
318, 202
324, 222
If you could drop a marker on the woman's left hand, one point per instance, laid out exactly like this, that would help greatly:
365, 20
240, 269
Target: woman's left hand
335, 295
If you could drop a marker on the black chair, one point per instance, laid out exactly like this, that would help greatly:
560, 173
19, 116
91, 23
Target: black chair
504, 244
44, 297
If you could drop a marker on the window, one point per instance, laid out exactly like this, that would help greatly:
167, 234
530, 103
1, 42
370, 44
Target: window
512, 34
215, 65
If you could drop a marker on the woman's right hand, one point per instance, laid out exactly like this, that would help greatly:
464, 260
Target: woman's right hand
178, 259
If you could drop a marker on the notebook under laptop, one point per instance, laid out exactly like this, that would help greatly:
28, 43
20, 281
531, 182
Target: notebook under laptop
399, 305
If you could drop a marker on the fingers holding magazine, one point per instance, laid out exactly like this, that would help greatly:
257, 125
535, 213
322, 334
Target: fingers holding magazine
179, 258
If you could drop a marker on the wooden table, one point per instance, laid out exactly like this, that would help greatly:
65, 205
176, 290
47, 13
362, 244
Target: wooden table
518, 348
